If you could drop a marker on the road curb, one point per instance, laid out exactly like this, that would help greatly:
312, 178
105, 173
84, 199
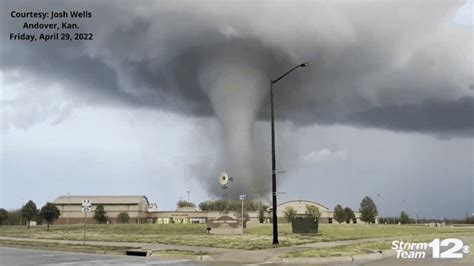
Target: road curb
344, 259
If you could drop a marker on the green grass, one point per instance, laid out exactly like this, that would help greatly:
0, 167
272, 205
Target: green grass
346, 250
256, 236
346, 232
362, 248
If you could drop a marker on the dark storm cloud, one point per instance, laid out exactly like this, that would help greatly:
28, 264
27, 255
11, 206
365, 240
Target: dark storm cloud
443, 118
399, 66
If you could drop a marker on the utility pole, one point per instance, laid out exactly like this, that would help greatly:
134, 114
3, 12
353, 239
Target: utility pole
86, 207
242, 233
242, 198
85, 221
274, 193
274, 172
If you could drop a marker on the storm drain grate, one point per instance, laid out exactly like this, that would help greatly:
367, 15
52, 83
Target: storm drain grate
137, 252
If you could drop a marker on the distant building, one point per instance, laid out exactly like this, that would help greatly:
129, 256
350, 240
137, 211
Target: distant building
183, 215
327, 215
71, 208
140, 210
300, 207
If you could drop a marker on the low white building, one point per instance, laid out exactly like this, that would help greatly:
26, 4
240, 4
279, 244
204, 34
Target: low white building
327, 215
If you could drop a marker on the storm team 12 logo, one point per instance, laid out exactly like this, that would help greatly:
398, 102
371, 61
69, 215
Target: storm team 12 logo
455, 249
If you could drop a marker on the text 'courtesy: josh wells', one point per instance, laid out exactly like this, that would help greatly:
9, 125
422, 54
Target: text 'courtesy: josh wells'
39, 26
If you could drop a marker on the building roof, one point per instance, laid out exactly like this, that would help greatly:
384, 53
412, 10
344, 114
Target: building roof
77, 199
302, 201
186, 209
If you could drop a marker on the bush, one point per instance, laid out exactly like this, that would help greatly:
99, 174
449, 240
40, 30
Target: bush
313, 212
3, 216
183, 203
290, 213
404, 218
14, 218
123, 218
261, 216
228, 205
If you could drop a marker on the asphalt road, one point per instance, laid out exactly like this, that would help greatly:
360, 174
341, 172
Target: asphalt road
26, 257
16, 256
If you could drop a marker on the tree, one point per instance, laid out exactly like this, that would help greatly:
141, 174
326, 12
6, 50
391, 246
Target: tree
228, 205
49, 212
404, 218
246, 217
183, 203
469, 220
368, 210
339, 214
29, 211
219, 205
123, 218
3, 215
349, 214
290, 213
100, 215
14, 217
313, 212
261, 216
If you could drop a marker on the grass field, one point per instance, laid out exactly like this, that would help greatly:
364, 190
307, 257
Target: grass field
346, 250
256, 236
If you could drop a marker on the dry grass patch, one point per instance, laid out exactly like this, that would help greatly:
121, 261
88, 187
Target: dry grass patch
256, 236
340, 251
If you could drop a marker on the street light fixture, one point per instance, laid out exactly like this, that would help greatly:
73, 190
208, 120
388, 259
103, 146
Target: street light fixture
274, 172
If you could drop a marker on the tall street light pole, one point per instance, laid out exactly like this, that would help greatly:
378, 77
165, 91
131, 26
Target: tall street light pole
274, 191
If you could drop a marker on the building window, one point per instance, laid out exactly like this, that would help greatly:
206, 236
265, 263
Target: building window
197, 220
162, 220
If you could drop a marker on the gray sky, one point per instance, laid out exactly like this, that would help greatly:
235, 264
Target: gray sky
385, 108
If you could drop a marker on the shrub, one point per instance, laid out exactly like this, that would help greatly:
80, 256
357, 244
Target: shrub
123, 218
